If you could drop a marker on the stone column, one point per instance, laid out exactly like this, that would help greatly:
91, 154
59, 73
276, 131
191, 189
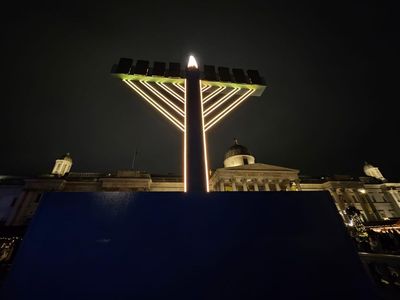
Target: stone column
221, 186
369, 209
244, 184
233, 185
338, 198
347, 198
266, 184
277, 186
255, 182
339, 195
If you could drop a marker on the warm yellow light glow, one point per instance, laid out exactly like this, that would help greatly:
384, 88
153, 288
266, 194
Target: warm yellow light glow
220, 102
362, 191
205, 88
171, 92
163, 98
204, 140
184, 147
179, 86
222, 114
213, 94
192, 64
155, 104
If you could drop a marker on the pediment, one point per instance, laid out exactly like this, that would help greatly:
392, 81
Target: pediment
262, 167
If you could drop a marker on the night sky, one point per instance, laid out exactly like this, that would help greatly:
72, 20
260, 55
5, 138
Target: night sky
331, 68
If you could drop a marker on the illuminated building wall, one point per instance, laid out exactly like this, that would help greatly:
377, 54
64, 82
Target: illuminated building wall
377, 200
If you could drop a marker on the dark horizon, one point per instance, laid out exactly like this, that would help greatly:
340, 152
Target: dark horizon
329, 69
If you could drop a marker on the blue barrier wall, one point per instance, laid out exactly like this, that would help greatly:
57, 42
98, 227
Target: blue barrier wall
277, 245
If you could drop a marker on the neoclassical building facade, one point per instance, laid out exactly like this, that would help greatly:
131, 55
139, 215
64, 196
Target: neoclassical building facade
375, 197
242, 173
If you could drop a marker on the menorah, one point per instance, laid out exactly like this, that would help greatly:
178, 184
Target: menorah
193, 101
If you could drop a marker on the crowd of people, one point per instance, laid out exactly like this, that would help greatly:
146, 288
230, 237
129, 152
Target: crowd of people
385, 241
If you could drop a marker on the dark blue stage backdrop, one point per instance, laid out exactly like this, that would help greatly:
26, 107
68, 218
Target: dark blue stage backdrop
112, 245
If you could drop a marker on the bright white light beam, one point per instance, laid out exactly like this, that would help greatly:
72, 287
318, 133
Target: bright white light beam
155, 105
213, 94
179, 86
205, 88
204, 140
222, 114
163, 98
171, 92
221, 101
184, 147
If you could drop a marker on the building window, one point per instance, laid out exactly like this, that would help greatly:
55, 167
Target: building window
245, 161
239, 187
261, 187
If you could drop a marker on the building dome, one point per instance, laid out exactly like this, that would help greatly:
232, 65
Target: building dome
237, 149
238, 155
373, 171
367, 166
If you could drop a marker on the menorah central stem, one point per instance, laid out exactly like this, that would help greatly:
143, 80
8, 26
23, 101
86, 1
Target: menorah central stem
195, 162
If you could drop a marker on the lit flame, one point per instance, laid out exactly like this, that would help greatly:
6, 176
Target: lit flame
192, 63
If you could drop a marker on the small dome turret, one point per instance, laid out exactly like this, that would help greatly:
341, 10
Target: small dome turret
238, 155
62, 165
236, 149
372, 171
